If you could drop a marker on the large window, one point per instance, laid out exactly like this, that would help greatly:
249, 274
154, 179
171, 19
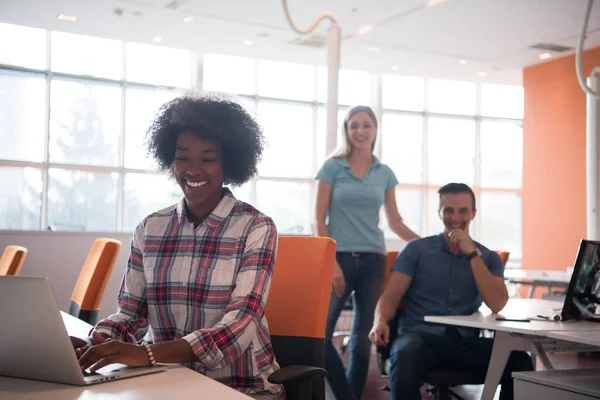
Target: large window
451, 141
74, 111
72, 132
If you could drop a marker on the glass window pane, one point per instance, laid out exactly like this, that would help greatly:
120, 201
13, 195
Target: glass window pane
20, 198
86, 55
452, 97
286, 80
288, 203
402, 146
289, 134
451, 151
82, 201
410, 206
402, 92
229, 74
322, 133
159, 65
243, 193
146, 194
501, 222
354, 87
22, 116
25, 48
502, 101
435, 224
501, 155
85, 123
141, 107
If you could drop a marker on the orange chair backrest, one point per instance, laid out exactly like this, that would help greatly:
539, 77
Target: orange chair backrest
95, 273
503, 255
389, 264
300, 290
12, 260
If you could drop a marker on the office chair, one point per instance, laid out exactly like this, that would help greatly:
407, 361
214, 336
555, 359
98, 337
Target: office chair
90, 286
12, 260
440, 381
296, 312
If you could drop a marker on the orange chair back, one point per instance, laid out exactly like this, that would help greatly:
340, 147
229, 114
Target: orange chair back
503, 255
12, 260
90, 286
298, 302
389, 264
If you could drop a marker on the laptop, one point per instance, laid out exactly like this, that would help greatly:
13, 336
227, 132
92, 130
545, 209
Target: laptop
583, 294
34, 343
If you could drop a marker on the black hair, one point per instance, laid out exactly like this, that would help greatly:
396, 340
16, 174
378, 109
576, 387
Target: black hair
455, 188
215, 117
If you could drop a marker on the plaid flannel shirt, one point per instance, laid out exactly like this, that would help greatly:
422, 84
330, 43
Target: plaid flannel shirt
208, 286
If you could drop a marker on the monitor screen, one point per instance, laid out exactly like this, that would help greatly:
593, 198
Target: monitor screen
583, 294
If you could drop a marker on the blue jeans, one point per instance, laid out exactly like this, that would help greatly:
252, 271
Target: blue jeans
364, 274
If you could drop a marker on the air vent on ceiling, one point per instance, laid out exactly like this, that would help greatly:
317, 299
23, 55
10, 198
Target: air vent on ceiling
551, 47
316, 41
176, 4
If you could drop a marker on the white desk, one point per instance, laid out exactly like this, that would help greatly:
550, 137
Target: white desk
536, 278
75, 326
527, 336
591, 338
176, 383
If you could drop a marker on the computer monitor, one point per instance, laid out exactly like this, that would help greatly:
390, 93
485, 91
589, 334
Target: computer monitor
583, 295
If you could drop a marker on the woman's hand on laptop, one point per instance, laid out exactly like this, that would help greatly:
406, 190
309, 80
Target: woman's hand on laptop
111, 351
81, 345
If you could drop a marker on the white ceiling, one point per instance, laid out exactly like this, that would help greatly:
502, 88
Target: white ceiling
492, 35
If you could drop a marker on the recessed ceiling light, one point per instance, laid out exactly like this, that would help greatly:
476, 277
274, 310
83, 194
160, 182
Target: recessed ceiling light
462, 61
545, 56
374, 49
248, 42
395, 67
64, 17
363, 30
187, 20
158, 39
431, 3
481, 73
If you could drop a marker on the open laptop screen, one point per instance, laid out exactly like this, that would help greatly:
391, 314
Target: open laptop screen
583, 294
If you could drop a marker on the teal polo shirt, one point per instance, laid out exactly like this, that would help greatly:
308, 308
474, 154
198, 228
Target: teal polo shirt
353, 214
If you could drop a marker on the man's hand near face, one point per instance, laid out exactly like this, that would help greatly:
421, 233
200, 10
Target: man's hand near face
461, 238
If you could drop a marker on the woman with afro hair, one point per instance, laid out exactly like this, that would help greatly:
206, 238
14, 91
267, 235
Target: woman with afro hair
198, 271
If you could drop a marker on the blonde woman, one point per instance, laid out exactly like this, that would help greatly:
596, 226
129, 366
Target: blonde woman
352, 186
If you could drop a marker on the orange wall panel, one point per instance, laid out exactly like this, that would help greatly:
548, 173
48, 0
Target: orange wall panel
554, 216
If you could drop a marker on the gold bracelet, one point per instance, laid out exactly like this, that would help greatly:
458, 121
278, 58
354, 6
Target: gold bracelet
150, 353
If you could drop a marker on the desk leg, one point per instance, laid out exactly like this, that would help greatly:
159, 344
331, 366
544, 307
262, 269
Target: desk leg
531, 290
539, 351
504, 344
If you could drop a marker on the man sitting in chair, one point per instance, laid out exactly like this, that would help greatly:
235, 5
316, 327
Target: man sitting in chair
446, 274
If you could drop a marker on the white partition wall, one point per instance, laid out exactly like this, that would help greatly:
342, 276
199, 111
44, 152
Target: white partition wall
59, 256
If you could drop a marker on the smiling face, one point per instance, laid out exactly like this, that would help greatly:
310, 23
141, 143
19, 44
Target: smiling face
198, 169
361, 131
456, 211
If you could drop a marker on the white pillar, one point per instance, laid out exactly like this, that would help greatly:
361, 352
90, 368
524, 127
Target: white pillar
333, 66
592, 151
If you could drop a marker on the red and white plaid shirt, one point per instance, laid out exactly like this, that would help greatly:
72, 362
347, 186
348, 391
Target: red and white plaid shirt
208, 286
